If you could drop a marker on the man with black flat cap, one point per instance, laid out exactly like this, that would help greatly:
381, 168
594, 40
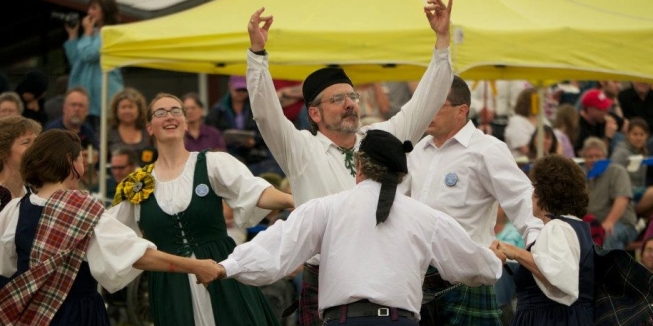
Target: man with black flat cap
321, 163
375, 245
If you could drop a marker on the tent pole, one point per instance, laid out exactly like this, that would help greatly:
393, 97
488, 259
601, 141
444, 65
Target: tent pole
103, 137
203, 92
540, 119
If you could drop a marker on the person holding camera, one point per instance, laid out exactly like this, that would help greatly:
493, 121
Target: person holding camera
83, 53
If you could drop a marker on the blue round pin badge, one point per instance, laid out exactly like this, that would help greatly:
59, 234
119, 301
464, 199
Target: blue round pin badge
202, 190
450, 179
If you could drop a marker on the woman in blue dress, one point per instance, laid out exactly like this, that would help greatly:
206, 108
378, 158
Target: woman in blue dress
555, 277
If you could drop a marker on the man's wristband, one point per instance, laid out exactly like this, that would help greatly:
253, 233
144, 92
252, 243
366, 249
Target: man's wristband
262, 52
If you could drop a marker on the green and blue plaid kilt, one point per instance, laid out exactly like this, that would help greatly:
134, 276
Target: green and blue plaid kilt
464, 305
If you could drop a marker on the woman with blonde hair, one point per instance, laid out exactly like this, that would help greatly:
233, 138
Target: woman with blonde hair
183, 215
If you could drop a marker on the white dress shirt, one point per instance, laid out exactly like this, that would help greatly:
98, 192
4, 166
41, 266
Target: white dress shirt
383, 263
112, 251
557, 255
314, 165
481, 171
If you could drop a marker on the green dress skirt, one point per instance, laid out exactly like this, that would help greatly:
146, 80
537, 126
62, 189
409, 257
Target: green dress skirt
199, 230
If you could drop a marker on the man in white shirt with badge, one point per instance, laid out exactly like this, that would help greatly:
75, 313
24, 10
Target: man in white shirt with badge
464, 173
321, 163
375, 245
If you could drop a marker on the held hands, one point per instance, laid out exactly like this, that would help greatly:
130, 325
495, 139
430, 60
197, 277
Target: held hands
508, 250
208, 270
439, 16
258, 35
495, 248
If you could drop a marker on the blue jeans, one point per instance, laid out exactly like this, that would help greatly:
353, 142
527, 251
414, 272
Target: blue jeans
622, 235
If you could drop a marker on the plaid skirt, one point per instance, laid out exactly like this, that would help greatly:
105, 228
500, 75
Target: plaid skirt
308, 314
463, 305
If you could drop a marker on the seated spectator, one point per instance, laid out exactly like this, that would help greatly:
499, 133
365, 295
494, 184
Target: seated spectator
610, 196
233, 117
637, 101
522, 124
75, 110
123, 162
565, 128
634, 144
200, 136
595, 121
10, 104
127, 119
550, 144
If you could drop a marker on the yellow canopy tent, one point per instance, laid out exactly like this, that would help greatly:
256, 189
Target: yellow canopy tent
390, 39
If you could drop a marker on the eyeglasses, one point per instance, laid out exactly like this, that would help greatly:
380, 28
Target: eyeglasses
451, 104
118, 167
160, 113
339, 99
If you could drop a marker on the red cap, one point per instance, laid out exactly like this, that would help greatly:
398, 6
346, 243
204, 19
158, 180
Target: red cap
596, 99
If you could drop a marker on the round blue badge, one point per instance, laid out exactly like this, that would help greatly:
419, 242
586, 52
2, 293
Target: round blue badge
450, 179
202, 190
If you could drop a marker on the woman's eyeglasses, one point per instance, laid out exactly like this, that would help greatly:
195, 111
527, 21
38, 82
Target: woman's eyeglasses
160, 113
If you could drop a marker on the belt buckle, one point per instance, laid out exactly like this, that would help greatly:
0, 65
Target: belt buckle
383, 312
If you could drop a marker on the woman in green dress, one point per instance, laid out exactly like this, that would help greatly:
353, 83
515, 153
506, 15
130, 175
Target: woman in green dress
177, 204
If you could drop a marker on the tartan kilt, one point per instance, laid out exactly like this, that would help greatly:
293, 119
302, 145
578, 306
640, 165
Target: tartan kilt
464, 305
308, 298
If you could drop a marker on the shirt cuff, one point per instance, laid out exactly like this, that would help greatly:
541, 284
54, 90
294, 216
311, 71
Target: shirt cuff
441, 54
256, 61
231, 267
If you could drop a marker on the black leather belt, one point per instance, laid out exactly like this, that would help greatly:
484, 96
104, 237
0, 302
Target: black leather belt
365, 308
435, 281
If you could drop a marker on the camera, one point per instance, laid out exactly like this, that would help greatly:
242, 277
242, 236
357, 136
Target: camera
71, 19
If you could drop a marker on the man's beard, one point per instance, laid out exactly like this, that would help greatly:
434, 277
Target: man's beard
75, 121
345, 125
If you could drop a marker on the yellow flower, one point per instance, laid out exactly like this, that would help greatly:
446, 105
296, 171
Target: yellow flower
136, 187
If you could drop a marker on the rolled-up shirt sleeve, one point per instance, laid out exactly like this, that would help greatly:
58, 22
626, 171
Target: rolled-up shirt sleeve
112, 251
